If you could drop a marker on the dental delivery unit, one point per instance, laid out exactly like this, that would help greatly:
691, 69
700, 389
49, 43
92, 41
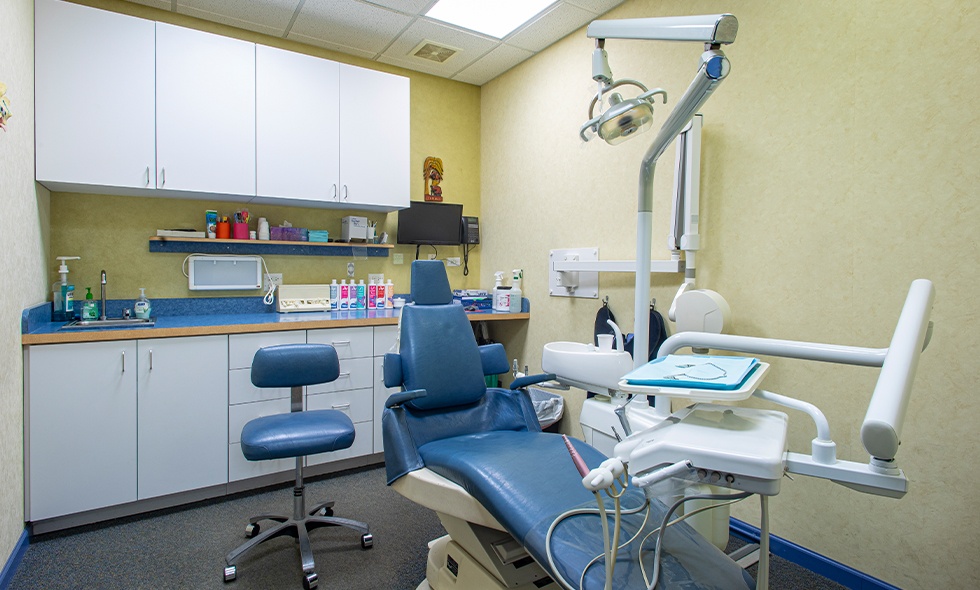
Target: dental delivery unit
527, 509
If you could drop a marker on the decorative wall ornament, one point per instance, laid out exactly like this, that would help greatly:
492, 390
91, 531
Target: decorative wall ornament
432, 171
5, 107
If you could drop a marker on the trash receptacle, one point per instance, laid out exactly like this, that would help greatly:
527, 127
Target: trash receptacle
548, 407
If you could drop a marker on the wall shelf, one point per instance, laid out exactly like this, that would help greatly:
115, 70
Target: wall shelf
259, 247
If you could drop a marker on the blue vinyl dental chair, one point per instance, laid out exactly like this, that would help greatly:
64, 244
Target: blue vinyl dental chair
296, 434
477, 456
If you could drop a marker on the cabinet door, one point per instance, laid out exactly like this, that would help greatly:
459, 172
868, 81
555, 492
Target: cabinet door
81, 439
205, 107
183, 414
374, 138
296, 119
94, 95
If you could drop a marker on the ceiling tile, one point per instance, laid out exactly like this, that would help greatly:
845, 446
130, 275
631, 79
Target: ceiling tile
597, 7
493, 64
270, 17
161, 4
411, 7
556, 23
347, 23
471, 47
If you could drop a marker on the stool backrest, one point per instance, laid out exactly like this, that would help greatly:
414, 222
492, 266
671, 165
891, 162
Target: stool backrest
295, 365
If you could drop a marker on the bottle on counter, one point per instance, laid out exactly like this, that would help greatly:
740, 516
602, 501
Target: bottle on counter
90, 309
344, 300
142, 307
372, 295
380, 296
389, 295
361, 295
334, 295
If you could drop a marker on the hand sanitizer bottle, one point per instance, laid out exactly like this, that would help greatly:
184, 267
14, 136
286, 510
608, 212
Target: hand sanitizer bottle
142, 308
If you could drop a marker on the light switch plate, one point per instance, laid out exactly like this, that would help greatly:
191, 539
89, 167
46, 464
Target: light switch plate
398, 258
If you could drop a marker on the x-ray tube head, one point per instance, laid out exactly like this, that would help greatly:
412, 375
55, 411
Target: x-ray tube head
624, 118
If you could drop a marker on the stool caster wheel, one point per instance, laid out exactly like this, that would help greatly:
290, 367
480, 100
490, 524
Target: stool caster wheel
252, 529
231, 572
367, 541
310, 580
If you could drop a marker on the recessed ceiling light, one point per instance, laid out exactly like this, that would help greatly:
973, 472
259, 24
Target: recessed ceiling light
497, 19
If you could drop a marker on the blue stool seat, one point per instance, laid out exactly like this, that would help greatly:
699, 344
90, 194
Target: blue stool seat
296, 434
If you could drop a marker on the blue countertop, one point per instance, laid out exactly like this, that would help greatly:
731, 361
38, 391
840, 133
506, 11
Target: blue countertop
205, 316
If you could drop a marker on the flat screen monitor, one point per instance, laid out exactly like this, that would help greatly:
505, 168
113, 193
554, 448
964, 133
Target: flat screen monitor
430, 223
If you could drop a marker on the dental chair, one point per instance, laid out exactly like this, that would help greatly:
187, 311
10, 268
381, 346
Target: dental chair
477, 456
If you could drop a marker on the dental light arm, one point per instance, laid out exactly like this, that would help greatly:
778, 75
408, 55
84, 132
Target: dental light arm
709, 28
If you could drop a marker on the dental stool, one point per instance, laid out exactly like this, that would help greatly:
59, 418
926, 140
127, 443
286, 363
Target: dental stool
296, 434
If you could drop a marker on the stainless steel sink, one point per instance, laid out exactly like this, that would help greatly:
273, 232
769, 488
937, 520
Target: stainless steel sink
110, 323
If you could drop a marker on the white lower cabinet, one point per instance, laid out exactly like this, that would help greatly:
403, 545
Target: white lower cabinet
114, 422
182, 414
81, 440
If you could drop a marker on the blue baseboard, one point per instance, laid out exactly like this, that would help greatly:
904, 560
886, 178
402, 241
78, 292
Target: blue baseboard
10, 568
803, 557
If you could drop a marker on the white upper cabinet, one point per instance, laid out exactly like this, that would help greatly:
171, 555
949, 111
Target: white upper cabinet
205, 112
296, 122
374, 138
94, 97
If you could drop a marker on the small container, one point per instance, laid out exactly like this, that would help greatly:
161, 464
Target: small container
390, 294
372, 297
251, 235
210, 223
223, 230
240, 231
90, 310
344, 301
142, 307
263, 228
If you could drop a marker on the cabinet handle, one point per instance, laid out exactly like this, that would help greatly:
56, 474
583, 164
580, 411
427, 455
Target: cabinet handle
147, 176
344, 374
341, 406
335, 196
163, 177
151, 359
124, 361
344, 342
345, 192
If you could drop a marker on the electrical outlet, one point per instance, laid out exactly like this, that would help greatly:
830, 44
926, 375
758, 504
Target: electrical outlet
274, 278
432, 256
454, 261
376, 277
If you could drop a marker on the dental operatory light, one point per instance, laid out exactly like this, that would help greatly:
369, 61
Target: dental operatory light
496, 19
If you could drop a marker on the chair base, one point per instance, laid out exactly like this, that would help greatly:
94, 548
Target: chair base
299, 529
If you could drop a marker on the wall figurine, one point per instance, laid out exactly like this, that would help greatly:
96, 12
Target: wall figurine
432, 172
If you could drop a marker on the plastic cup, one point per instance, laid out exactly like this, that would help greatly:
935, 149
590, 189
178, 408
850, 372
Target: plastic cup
605, 341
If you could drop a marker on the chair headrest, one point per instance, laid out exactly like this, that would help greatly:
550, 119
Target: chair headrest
430, 285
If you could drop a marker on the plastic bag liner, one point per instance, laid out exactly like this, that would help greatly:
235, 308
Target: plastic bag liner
548, 406
658, 333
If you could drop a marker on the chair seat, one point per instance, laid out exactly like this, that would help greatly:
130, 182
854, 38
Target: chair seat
296, 434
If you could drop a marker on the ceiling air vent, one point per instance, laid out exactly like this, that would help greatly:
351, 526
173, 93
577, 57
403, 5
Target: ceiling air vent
433, 51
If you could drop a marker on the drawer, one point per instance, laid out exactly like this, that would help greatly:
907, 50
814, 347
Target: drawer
358, 404
363, 445
354, 374
242, 347
239, 416
241, 468
384, 339
349, 342
241, 390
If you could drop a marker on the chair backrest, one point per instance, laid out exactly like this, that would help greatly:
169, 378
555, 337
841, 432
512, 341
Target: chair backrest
295, 365
438, 350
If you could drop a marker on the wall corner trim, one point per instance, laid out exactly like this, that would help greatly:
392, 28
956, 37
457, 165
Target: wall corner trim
13, 562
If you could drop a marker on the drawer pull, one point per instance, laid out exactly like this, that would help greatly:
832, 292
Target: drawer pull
344, 374
341, 406
151, 359
124, 361
343, 342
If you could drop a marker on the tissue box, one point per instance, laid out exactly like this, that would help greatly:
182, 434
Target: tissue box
288, 234
354, 228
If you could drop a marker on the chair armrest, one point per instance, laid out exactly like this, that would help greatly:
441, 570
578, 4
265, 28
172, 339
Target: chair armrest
494, 359
392, 365
522, 382
397, 399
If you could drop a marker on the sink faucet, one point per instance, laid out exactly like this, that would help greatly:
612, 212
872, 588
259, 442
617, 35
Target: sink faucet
103, 297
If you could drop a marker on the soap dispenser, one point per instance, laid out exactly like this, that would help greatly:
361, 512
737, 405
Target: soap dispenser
142, 308
63, 294
90, 311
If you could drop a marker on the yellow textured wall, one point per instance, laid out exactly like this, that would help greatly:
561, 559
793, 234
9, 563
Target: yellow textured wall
112, 233
22, 253
839, 164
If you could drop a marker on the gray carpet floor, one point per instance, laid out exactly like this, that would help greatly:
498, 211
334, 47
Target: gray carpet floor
184, 548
